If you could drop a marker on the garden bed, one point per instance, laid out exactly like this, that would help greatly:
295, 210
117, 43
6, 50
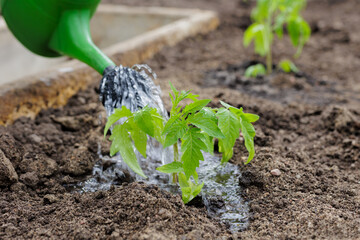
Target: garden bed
309, 129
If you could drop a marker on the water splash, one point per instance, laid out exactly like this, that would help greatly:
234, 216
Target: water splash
221, 192
135, 89
123, 86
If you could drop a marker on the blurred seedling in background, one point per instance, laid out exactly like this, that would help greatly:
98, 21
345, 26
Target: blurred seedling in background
269, 19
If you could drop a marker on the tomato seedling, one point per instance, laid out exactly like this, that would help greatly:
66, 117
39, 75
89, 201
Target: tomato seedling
270, 17
194, 126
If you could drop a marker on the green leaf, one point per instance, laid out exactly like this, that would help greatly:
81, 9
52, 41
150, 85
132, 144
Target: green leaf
226, 104
158, 122
191, 145
230, 126
183, 182
248, 132
196, 176
299, 31
138, 136
144, 120
189, 190
288, 66
174, 167
192, 97
236, 111
279, 32
261, 35
196, 189
176, 131
175, 91
207, 121
262, 42
208, 140
227, 152
249, 35
251, 32
116, 116
251, 117
121, 142
255, 70
279, 22
196, 106
186, 194
169, 124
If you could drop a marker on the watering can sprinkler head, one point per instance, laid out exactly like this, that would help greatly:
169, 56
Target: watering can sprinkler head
52, 28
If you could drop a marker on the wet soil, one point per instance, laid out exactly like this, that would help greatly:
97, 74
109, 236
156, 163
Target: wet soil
309, 130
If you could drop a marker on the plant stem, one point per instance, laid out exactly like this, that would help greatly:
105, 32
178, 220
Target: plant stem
269, 61
268, 32
176, 159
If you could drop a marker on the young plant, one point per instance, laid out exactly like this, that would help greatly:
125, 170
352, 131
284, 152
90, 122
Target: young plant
269, 18
195, 126
255, 70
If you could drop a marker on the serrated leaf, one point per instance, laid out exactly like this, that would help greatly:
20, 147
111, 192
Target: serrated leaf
174, 167
116, 116
192, 97
226, 151
138, 136
196, 106
122, 143
158, 121
230, 126
144, 120
226, 105
231, 108
175, 91
208, 140
191, 146
207, 121
176, 131
169, 124
248, 132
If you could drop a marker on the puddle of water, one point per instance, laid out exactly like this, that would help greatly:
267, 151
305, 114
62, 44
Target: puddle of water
221, 192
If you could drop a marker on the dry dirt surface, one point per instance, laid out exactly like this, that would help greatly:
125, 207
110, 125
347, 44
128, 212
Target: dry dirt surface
309, 130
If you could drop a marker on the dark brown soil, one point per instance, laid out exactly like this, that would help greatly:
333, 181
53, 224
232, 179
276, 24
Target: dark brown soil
309, 129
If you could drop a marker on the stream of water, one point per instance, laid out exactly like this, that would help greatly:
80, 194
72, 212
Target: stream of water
135, 89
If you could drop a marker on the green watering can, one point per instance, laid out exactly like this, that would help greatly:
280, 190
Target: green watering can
52, 28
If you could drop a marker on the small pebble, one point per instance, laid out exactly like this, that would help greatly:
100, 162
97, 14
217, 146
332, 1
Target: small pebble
275, 172
50, 198
35, 138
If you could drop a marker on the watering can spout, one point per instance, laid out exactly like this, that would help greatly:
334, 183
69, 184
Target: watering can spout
72, 38
53, 28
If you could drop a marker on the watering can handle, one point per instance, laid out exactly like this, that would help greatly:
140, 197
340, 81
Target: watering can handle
53, 28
